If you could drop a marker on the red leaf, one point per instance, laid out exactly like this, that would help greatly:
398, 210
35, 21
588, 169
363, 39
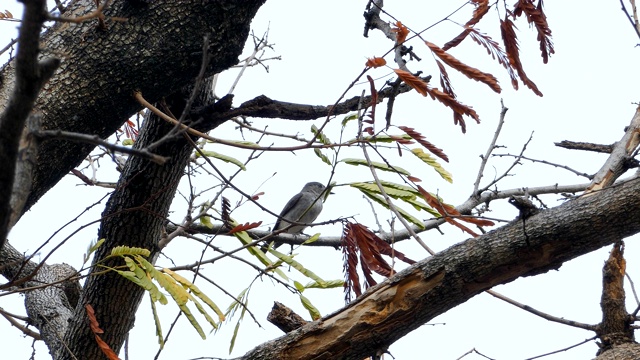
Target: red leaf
245, 227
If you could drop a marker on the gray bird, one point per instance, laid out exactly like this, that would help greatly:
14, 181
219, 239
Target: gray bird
304, 208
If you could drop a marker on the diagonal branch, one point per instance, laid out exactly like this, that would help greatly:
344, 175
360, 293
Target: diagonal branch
435, 285
30, 76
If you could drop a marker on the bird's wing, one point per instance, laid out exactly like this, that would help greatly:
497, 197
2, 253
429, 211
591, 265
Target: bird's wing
292, 202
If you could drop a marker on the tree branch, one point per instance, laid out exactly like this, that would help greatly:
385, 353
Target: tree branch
434, 285
30, 76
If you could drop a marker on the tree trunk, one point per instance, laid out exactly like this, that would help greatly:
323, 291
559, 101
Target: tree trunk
156, 50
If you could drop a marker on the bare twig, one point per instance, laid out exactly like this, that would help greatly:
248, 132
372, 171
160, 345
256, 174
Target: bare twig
490, 149
542, 314
25, 330
589, 177
96, 140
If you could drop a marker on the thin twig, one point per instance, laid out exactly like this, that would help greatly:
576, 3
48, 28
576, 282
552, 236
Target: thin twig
565, 349
590, 177
11, 318
492, 147
96, 140
542, 314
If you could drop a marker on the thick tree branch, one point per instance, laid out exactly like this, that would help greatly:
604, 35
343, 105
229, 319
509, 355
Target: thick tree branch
616, 164
265, 107
30, 76
433, 286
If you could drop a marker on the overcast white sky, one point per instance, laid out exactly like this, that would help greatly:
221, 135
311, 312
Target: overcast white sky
588, 87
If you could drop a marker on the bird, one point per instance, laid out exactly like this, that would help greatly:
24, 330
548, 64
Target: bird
303, 208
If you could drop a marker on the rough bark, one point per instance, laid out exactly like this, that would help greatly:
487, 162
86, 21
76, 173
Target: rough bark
134, 216
157, 50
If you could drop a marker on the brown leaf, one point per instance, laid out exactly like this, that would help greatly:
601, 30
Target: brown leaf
95, 328
111, 355
93, 322
422, 140
401, 140
458, 108
415, 82
482, 8
535, 15
477, 221
350, 264
375, 62
468, 71
496, 52
358, 238
445, 210
511, 47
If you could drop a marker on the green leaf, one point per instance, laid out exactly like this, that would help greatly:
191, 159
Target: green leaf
403, 213
296, 265
127, 250
394, 192
327, 284
238, 142
433, 163
206, 221
196, 291
298, 286
377, 165
93, 246
138, 276
320, 136
322, 156
312, 239
222, 157
313, 311
348, 118
156, 319
233, 338
127, 142
245, 239
397, 191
